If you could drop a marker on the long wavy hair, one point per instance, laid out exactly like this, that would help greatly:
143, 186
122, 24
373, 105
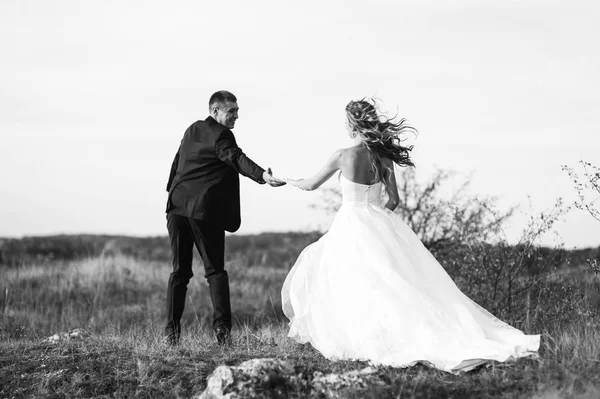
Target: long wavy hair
381, 135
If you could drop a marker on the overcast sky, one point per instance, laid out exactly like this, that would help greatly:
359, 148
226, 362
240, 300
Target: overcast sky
95, 96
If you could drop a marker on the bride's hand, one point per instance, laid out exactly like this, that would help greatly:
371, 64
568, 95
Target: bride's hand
294, 182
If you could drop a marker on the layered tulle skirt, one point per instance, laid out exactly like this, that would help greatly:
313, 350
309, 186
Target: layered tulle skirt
369, 290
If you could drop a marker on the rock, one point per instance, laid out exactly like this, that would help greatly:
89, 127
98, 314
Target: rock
256, 378
273, 378
332, 385
77, 333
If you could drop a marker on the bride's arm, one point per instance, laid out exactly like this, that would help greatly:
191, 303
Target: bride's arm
332, 165
390, 186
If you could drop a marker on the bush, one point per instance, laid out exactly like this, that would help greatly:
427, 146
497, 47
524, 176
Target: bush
588, 191
502, 277
587, 186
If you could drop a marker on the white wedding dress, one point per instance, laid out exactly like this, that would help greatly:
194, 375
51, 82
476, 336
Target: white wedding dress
369, 290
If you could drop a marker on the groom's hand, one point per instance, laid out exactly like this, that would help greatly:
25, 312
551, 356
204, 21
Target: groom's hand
270, 180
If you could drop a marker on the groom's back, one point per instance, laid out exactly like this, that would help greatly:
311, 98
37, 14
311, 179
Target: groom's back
197, 157
203, 186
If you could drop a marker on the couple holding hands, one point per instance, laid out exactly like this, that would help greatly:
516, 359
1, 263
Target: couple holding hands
367, 289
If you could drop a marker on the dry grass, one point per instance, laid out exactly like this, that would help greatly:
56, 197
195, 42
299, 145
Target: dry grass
119, 293
120, 301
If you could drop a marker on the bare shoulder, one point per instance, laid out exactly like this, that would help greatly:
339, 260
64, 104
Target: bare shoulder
348, 155
339, 154
354, 152
336, 158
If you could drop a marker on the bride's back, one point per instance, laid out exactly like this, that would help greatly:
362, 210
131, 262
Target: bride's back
357, 165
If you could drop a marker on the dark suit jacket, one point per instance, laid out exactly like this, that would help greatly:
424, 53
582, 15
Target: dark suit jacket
204, 181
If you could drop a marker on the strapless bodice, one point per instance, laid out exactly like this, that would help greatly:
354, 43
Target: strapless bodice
360, 194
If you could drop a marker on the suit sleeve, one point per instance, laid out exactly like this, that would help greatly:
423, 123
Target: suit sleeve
173, 170
228, 151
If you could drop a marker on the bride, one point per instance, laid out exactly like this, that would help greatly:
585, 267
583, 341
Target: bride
369, 289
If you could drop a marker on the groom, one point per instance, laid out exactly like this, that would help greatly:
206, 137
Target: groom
203, 202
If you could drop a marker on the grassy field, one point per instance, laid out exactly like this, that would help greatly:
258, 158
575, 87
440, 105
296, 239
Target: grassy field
119, 300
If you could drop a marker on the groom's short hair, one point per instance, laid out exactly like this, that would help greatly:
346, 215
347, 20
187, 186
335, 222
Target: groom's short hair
221, 96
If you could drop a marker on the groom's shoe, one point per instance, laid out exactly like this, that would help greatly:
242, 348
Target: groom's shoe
171, 339
223, 336
172, 334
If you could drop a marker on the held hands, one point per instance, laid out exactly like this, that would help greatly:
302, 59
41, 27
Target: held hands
297, 183
275, 182
270, 180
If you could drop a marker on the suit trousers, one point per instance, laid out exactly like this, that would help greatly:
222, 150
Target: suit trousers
209, 239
